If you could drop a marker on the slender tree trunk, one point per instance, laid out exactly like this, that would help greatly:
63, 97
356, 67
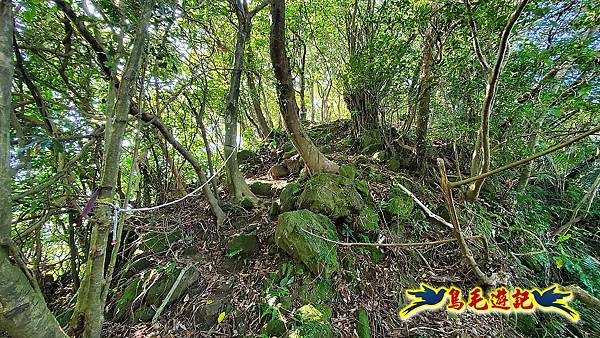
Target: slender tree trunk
263, 95
313, 102
302, 81
424, 99
88, 314
314, 159
263, 126
239, 188
480, 161
199, 116
23, 311
102, 59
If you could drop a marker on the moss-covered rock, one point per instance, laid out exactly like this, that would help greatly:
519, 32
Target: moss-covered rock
242, 245
161, 287
393, 165
247, 203
205, 315
316, 291
318, 255
143, 314
294, 164
348, 171
399, 205
367, 222
310, 313
245, 156
137, 264
159, 242
274, 210
332, 195
275, 328
362, 325
289, 196
371, 141
123, 305
312, 323
262, 189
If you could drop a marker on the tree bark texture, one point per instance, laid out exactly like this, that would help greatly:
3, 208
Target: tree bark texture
314, 159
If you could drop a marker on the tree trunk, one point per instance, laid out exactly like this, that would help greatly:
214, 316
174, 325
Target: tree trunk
263, 126
480, 162
314, 159
88, 314
302, 81
424, 99
313, 102
239, 188
23, 311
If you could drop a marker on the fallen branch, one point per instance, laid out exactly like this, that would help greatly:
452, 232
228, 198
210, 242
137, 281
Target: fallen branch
170, 294
583, 296
462, 243
525, 160
429, 213
389, 245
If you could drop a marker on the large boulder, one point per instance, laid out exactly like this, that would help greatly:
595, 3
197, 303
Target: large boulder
152, 289
331, 195
289, 196
262, 188
292, 235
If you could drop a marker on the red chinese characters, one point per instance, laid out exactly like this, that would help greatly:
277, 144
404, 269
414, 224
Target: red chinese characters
456, 303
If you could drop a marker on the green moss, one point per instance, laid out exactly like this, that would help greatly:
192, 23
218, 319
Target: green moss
310, 313
242, 245
371, 141
312, 323
138, 263
527, 324
143, 314
289, 196
332, 195
400, 206
275, 328
261, 188
367, 222
274, 210
325, 310
247, 203
362, 325
318, 255
158, 242
375, 254
161, 287
130, 293
348, 171
316, 291
393, 165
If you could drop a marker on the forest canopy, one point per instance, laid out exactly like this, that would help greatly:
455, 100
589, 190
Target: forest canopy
293, 168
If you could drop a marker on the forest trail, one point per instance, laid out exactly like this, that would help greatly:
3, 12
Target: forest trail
234, 279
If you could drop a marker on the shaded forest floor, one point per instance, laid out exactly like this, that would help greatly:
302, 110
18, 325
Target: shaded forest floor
263, 282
